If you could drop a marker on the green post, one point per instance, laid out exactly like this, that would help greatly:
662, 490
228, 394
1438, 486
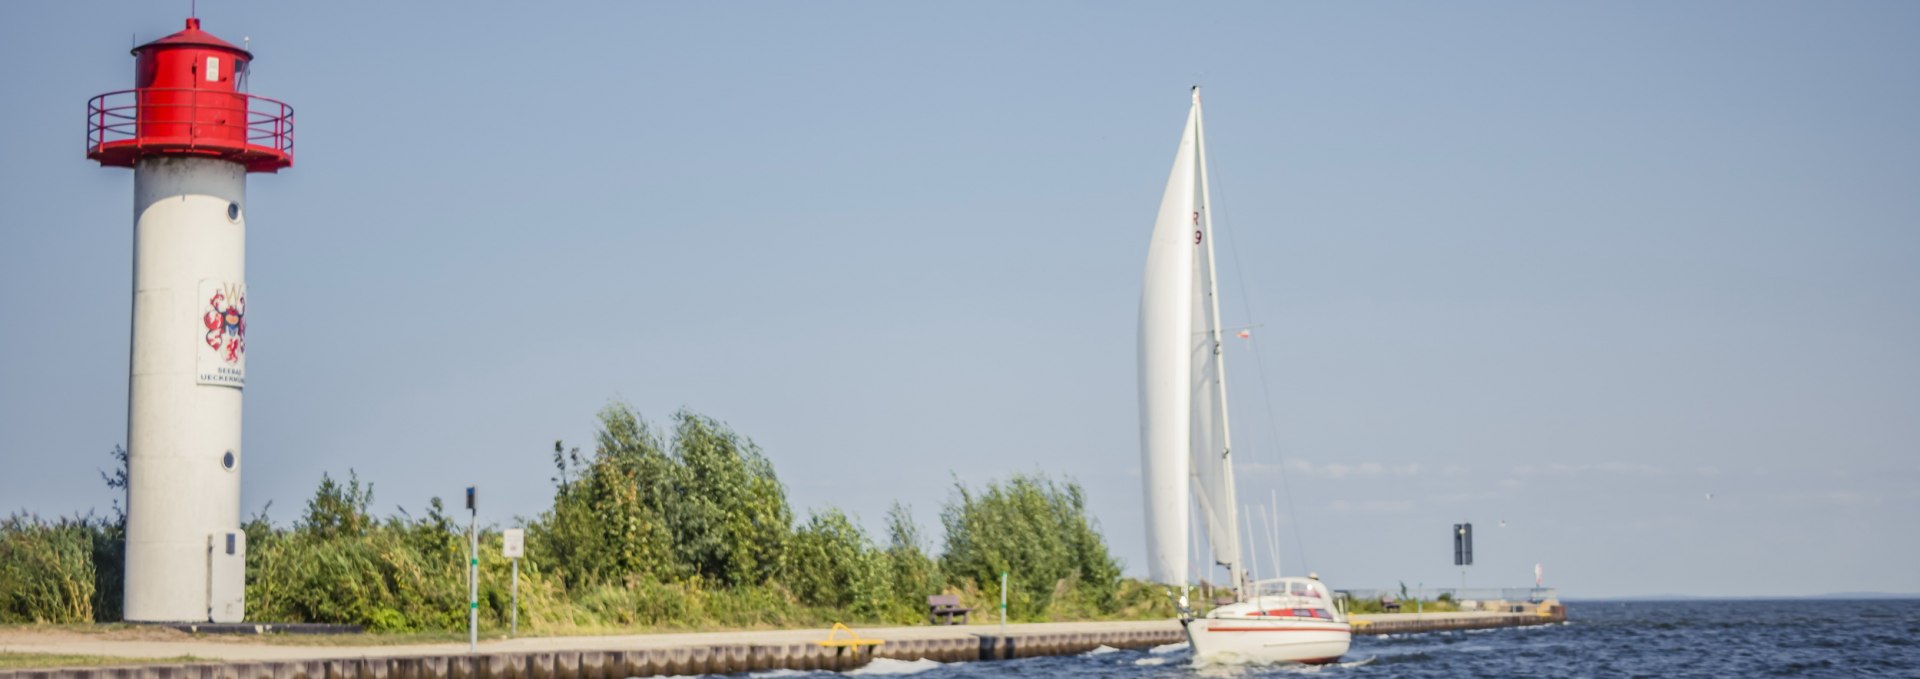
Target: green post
473, 573
1003, 603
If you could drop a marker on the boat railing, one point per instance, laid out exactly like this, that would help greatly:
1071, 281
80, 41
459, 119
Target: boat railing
1299, 587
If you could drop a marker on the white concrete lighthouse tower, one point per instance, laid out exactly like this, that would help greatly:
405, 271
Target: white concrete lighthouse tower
191, 133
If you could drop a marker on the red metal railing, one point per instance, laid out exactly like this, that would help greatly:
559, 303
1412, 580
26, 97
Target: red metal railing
221, 123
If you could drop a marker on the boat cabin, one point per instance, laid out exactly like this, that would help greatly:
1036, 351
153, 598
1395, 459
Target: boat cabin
1290, 597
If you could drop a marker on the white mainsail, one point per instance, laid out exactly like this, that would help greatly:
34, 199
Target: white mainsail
1183, 425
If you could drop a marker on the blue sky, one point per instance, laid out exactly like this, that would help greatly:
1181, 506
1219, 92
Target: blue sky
1570, 266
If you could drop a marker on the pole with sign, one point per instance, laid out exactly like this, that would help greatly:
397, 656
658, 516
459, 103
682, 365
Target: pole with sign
1462, 553
1003, 603
513, 543
473, 574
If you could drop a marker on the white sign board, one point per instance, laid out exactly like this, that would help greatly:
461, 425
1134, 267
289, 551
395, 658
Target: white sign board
513, 543
222, 349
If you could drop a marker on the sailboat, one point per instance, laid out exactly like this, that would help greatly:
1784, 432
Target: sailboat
1187, 449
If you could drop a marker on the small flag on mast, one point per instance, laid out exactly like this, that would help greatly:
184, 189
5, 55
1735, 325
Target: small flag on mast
1244, 334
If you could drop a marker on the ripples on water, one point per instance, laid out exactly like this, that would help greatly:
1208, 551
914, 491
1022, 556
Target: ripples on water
1647, 639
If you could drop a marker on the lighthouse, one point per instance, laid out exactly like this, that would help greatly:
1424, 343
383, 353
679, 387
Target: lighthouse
191, 132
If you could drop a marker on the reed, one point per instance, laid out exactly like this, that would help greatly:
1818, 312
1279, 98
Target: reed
47, 569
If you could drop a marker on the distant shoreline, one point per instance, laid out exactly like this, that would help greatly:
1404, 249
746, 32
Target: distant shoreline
1839, 596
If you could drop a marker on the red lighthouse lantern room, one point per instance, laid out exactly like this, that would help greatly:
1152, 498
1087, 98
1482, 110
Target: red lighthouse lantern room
190, 99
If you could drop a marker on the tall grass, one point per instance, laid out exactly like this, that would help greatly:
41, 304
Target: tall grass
46, 569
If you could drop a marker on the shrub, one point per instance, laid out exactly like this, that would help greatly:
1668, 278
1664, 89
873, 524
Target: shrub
831, 562
609, 515
1038, 532
912, 574
730, 520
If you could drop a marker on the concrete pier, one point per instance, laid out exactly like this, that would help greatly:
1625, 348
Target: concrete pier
652, 655
608, 657
1413, 623
620, 664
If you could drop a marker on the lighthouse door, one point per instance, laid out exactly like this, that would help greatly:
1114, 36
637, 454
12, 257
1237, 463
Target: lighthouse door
226, 576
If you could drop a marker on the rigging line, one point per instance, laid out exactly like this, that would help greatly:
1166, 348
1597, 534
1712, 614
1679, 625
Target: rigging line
1260, 367
1266, 396
1253, 555
1273, 532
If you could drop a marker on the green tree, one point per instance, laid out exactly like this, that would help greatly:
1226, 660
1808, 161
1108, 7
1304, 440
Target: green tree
608, 522
337, 510
832, 562
913, 574
730, 517
1035, 530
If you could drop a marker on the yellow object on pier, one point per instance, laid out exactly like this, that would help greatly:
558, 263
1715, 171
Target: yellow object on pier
852, 639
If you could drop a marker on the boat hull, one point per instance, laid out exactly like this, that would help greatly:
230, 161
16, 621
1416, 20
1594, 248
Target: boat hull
1311, 642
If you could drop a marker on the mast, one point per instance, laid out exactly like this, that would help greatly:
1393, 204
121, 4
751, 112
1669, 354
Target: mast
1235, 567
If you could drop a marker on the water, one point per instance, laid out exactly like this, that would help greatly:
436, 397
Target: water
1636, 639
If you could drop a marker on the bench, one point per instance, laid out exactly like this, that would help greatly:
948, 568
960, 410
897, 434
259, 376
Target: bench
1389, 605
946, 606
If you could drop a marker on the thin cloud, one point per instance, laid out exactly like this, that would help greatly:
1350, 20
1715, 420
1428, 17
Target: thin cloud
1377, 506
1833, 498
1582, 469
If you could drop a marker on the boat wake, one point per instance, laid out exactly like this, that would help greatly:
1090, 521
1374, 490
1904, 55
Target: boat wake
889, 667
1234, 666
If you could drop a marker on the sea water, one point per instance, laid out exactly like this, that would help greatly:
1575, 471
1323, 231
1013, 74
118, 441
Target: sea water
1599, 639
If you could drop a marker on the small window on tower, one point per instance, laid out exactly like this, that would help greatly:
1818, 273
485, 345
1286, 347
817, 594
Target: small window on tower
227, 461
233, 212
